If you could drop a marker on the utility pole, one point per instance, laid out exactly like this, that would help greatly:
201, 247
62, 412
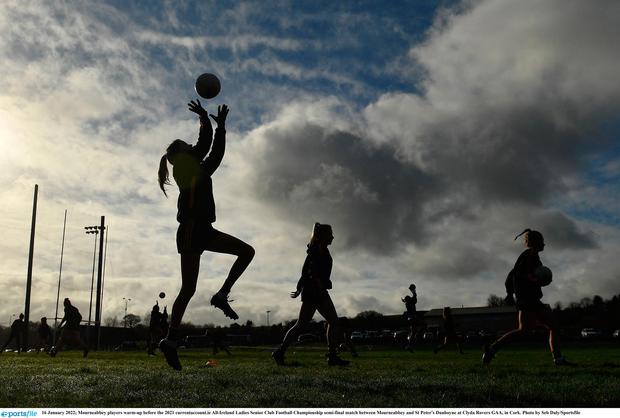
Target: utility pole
30, 257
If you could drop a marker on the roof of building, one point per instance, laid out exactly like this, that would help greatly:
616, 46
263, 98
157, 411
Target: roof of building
480, 310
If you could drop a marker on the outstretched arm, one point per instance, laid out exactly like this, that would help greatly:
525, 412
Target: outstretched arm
213, 160
205, 136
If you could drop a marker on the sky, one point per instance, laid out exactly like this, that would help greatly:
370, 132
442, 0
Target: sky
427, 133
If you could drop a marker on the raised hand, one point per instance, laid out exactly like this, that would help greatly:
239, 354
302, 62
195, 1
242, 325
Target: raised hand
196, 107
220, 119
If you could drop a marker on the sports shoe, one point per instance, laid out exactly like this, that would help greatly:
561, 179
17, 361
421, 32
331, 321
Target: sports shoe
169, 349
488, 354
221, 302
561, 361
334, 360
278, 357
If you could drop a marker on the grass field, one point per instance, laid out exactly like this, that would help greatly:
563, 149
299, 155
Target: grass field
518, 377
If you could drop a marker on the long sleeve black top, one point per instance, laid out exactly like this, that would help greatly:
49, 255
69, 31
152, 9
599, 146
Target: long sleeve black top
192, 172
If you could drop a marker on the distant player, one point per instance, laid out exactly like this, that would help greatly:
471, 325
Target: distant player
18, 328
71, 331
313, 287
155, 330
345, 329
218, 337
523, 283
416, 325
450, 335
44, 334
164, 321
192, 171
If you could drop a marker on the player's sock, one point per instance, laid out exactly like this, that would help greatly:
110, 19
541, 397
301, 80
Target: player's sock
489, 353
169, 349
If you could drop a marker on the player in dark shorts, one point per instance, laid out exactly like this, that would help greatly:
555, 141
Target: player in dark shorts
313, 287
523, 283
71, 330
155, 331
450, 335
44, 334
18, 327
192, 171
416, 325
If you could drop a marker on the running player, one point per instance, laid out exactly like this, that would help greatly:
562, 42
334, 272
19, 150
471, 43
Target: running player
71, 331
450, 335
313, 287
18, 327
526, 286
345, 329
192, 171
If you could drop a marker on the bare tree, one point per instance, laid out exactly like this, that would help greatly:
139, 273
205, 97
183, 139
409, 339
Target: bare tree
111, 321
494, 301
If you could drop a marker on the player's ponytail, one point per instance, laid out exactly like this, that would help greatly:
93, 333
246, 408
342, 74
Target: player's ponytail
173, 149
532, 238
162, 174
524, 231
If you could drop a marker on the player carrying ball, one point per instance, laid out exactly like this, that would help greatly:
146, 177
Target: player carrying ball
525, 281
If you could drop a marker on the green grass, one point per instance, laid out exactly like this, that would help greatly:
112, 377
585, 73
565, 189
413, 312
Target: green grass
518, 377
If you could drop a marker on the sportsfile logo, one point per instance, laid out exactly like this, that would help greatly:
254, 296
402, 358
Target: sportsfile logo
11, 414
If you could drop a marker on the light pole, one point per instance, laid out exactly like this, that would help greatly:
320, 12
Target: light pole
268, 317
125, 317
95, 231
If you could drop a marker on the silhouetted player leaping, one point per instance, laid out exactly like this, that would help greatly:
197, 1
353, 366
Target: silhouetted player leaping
192, 171
313, 287
416, 325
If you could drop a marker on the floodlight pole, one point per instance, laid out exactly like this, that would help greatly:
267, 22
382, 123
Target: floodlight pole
99, 279
125, 317
91, 230
30, 257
